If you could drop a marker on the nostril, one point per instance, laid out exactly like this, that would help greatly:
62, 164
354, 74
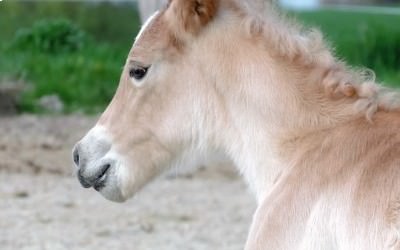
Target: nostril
76, 157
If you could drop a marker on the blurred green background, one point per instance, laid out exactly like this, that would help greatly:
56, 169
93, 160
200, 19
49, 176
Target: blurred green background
76, 50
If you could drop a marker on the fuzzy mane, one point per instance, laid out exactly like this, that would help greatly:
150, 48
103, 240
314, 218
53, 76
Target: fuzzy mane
307, 49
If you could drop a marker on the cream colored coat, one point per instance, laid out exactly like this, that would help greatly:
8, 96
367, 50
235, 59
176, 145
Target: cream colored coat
318, 143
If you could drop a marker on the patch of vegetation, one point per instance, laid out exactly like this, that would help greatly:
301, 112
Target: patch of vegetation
104, 21
84, 81
50, 36
71, 49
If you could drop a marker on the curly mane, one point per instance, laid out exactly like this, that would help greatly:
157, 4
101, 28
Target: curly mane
306, 48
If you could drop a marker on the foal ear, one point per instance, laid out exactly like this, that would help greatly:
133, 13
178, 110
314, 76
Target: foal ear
193, 15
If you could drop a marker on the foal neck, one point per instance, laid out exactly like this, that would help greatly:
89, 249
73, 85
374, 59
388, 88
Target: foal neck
278, 110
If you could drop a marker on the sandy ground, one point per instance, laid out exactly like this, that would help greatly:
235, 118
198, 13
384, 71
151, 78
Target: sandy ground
42, 205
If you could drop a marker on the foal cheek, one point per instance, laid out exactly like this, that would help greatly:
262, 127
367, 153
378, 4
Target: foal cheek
144, 162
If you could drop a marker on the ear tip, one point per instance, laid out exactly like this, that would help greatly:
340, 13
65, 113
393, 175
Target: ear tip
194, 14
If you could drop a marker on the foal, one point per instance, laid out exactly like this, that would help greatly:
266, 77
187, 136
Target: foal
317, 143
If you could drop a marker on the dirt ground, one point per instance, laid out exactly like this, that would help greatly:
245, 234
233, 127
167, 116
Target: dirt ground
42, 205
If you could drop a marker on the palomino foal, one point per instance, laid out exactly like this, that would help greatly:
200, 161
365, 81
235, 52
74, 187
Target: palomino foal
318, 143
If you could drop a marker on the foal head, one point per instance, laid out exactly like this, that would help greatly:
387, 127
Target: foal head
164, 111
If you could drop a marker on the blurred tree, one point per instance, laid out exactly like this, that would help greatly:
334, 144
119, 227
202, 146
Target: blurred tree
99, 19
50, 36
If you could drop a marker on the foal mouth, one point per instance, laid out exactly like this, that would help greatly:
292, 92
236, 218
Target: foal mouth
100, 183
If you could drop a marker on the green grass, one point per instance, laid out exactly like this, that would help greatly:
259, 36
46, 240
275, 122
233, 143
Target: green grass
85, 77
84, 80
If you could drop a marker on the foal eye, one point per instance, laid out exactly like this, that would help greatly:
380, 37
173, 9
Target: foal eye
138, 72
